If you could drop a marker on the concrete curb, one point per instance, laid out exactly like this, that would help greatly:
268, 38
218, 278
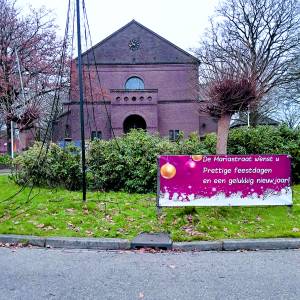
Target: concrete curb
261, 244
23, 239
88, 243
123, 244
198, 246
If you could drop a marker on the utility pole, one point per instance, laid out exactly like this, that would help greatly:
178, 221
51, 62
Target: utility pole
81, 103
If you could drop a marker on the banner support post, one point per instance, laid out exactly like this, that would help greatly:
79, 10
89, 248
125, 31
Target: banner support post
158, 208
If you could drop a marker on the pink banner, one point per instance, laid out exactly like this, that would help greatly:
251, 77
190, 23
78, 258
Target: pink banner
224, 180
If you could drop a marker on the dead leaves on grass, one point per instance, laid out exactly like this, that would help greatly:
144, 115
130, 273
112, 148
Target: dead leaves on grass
190, 230
89, 232
70, 211
73, 227
44, 227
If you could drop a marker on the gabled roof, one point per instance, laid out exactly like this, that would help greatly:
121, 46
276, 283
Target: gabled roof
153, 49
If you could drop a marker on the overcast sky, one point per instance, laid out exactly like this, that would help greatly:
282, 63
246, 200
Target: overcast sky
180, 22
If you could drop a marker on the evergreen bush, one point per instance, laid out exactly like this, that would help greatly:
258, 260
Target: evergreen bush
5, 161
129, 163
48, 166
262, 140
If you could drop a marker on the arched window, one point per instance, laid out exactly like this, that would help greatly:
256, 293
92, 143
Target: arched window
134, 83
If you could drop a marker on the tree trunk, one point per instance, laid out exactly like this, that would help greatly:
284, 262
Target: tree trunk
253, 116
222, 133
8, 138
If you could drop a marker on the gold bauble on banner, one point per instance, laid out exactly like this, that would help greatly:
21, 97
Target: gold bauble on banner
168, 171
197, 157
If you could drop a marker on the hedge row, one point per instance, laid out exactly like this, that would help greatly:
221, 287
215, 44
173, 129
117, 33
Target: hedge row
5, 161
129, 162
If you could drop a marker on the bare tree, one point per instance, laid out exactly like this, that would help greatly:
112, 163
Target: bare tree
255, 37
290, 115
288, 109
29, 63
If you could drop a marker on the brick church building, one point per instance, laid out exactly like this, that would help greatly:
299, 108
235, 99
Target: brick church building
135, 78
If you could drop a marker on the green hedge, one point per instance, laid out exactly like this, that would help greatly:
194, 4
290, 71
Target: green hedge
128, 163
263, 140
267, 140
48, 166
5, 160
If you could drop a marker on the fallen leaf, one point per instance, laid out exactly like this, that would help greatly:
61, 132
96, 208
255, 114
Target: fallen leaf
48, 228
89, 232
172, 266
295, 229
71, 226
189, 229
190, 218
40, 225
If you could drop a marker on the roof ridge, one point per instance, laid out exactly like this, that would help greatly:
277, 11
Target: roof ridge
133, 21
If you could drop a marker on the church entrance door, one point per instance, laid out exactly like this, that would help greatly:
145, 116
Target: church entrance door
134, 122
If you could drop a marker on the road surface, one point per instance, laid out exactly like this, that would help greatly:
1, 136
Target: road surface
32, 273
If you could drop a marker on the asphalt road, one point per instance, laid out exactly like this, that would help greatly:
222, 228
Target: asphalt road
80, 274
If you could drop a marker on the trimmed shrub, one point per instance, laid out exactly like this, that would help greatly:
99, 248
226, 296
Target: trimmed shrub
267, 140
129, 163
191, 145
5, 161
48, 166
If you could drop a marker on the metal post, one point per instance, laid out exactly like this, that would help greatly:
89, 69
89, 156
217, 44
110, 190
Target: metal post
248, 116
158, 207
81, 103
20, 74
12, 138
290, 209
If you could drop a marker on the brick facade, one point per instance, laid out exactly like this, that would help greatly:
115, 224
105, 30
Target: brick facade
167, 101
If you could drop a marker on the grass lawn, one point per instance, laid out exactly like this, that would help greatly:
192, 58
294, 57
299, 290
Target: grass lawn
50, 212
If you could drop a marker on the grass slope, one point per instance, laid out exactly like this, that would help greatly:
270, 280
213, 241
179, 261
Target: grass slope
50, 212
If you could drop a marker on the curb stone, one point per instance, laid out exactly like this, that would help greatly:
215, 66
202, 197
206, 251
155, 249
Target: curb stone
88, 243
261, 244
199, 246
24, 239
123, 244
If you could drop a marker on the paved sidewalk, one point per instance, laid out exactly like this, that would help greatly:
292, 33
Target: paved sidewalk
5, 171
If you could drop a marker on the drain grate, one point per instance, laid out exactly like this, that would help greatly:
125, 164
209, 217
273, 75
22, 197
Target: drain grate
152, 240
